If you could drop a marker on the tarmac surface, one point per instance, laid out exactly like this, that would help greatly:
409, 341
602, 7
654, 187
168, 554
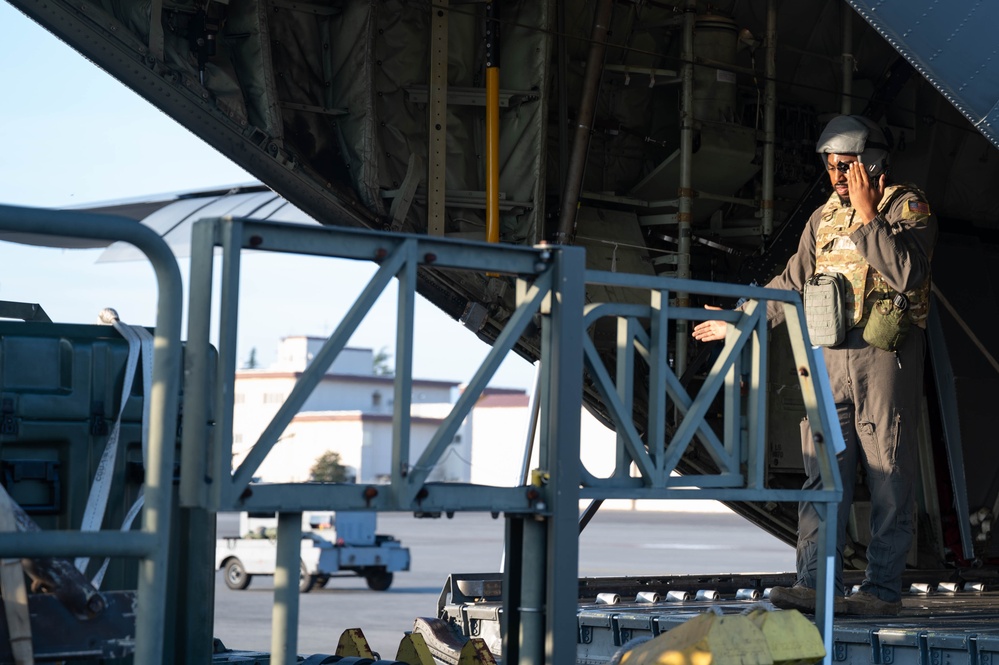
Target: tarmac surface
614, 543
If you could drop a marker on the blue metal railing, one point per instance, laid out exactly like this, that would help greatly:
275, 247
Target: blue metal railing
550, 283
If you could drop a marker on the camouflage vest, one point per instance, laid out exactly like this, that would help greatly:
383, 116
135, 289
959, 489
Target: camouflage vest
835, 252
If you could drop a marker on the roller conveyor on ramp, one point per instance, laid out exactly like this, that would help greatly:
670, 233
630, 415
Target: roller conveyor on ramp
944, 619
930, 629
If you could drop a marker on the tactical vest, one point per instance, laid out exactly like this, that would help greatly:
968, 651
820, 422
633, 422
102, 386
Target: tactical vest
835, 252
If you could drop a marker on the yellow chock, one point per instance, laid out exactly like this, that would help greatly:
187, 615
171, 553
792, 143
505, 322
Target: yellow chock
475, 652
353, 643
707, 639
413, 651
792, 639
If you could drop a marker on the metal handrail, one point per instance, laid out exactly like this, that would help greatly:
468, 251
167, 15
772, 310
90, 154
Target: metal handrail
151, 545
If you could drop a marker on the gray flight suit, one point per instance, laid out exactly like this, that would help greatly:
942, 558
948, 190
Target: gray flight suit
878, 399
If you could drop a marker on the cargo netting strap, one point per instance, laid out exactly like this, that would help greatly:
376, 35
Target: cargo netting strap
133, 512
140, 347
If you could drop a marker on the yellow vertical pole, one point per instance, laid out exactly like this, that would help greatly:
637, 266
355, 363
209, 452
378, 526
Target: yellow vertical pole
492, 122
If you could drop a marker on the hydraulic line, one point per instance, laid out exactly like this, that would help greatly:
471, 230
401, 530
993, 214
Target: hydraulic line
685, 197
845, 105
584, 121
769, 118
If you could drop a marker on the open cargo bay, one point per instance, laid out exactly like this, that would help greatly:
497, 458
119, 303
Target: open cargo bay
698, 165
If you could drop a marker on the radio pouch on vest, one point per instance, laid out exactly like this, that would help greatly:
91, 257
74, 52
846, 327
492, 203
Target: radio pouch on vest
889, 322
825, 308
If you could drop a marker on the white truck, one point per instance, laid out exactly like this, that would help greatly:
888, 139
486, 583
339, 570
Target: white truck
333, 544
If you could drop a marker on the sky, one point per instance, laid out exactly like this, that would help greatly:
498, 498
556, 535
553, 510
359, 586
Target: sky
73, 135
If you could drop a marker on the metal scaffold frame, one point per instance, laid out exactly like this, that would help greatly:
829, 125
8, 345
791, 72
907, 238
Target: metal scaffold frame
549, 285
542, 532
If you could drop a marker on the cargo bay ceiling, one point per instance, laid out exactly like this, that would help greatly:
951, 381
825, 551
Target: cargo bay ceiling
349, 108
373, 113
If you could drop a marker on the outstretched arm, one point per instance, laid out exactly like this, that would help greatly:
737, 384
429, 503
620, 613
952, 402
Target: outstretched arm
710, 331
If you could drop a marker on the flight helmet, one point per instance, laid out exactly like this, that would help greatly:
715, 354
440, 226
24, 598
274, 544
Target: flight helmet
856, 135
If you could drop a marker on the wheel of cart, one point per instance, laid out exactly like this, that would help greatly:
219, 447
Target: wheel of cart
378, 579
235, 575
305, 580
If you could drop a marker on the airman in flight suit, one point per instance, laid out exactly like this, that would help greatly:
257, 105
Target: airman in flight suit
880, 239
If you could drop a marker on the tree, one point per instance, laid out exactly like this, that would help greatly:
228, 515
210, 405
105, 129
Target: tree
251, 362
328, 468
380, 364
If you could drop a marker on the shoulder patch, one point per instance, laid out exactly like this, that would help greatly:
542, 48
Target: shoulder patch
919, 207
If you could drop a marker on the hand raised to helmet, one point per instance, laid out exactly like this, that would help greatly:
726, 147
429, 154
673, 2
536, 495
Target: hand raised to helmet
865, 195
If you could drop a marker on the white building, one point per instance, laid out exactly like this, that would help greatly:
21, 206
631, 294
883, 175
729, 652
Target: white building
498, 427
350, 412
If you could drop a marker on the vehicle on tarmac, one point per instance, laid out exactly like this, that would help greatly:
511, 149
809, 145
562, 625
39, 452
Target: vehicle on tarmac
333, 545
